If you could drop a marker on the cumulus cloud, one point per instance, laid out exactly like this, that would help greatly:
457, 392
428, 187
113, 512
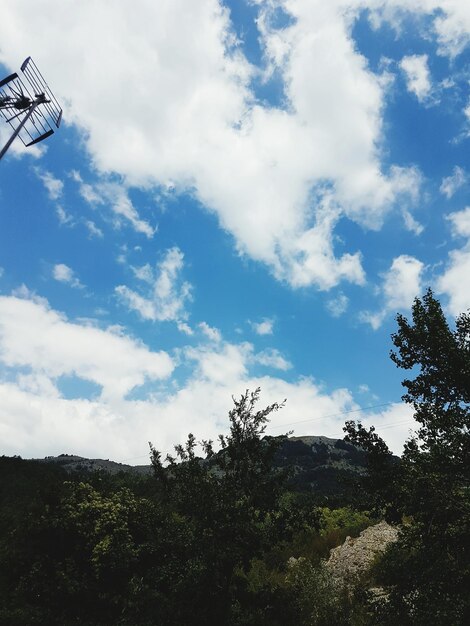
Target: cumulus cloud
402, 283
460, 222
65, 274
168, 294
265, 327
452, 183
197, 124
37, 424
455, 281
272, 358
418, 78
38, 346
394, 424
34, 336
311, 258
450, 23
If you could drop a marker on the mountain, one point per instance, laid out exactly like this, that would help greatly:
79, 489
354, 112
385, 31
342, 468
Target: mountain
74, 463
325, 466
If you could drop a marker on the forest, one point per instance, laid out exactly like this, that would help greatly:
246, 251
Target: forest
231, 538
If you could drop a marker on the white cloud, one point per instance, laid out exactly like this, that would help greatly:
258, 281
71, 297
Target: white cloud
65, 274
467, 112
93, 229
185, 328
402, 282
339, 305
117, 196
33, 424
453, 27
65, 219
452, 183
401, 285
168, 295
411, 223
17, 149
197, 125
455, 281
224, 365
394, 424
265, 327
53, 185
213, 334
272, 358
311, 260
450, 23
144, 273
460, 222
35, 420
34, 336
418, 78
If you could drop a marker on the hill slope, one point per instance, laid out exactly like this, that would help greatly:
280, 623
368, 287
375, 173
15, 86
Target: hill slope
316, 464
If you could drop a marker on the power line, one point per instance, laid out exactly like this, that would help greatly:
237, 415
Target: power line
384, 427
316, 419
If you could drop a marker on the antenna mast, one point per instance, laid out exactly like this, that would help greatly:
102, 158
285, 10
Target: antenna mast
29, 106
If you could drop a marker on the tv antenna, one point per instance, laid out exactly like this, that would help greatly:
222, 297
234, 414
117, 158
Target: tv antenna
29, 106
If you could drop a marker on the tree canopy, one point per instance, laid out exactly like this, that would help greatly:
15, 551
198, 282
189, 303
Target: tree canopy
429, 568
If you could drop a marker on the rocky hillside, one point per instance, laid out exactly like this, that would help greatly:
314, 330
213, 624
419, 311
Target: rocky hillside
74, 463
326, 466
320, 464
350, 561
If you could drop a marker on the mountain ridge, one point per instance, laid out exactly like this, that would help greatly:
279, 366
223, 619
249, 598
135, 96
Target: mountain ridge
315, 463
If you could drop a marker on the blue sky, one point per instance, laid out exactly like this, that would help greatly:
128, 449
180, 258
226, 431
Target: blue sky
241, 194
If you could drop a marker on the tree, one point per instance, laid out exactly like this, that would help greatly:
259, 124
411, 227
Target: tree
429, 568
440, 392
229, 501
78, 560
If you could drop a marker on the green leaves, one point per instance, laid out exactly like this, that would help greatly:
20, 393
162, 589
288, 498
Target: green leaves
428, 570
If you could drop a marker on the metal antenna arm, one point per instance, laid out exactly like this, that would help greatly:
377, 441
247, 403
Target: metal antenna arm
28, 105
18, 129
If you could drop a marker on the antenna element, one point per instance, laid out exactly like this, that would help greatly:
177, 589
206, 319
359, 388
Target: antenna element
29, 106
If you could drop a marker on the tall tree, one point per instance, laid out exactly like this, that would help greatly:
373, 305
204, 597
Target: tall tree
429, 568
229, 501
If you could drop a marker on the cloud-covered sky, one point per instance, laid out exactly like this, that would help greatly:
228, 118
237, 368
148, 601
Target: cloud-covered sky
241, 194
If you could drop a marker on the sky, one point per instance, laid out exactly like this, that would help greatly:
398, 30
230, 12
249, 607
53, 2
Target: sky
242, 194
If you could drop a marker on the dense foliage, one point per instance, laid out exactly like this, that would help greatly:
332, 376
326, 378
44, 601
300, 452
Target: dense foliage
202, 541
231, 539
428, 570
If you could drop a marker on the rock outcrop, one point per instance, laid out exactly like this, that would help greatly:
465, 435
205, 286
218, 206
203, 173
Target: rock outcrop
350, 561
